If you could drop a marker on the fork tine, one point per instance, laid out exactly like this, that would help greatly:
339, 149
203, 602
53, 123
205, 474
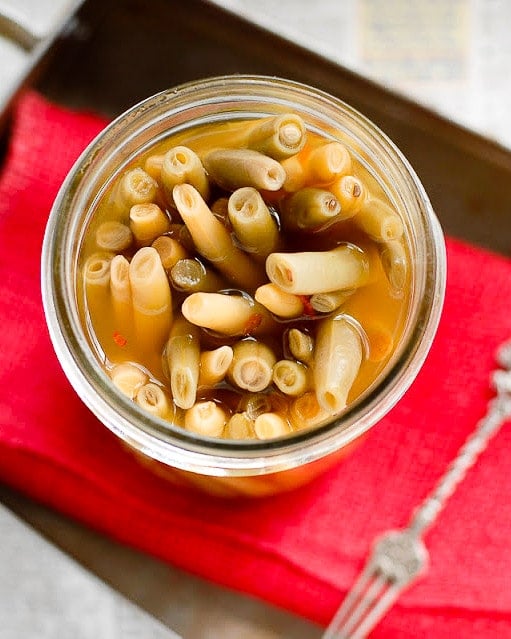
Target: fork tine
377, 612
367, 589
356, 594
372, 595
359, 621
350, 602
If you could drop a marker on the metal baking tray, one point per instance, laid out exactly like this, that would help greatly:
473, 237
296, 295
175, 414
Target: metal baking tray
27, 34
120, 52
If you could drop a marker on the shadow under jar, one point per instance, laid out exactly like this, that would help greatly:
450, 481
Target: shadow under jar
252, 466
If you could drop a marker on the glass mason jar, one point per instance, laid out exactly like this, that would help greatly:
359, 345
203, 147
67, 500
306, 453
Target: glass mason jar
221, 466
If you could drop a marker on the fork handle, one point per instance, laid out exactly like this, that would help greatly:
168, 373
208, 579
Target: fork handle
499, 410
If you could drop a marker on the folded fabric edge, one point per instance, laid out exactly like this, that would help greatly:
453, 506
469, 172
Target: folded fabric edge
29, 457
53, 486
56, 486
272, 578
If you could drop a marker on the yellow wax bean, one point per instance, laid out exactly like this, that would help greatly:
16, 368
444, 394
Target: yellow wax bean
147, 222
351, 193
328, 302
170, 251
322, 165
234, 168
290, 377
270, 425
213, 240
96, 271
239, 426
206, 418
120, 289
214, 365
395, 264
337, 359
192, 276
344, 267
253, 224
252, 366
135, 187
328, 161
152, 302
278, 136
153, 399
294, 168
379, 221
278, 302
227, 314
309, 208
96, 280
181, 165
301, 345
128, 378
113, 236
183, 360
153, 164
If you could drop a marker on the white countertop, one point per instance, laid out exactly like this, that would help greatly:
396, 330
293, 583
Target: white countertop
453, 57
44, 594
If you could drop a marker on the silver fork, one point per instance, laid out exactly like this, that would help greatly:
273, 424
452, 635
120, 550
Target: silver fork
399, 556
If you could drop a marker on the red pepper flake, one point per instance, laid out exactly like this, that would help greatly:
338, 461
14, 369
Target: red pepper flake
254, 322
119, 339
308, 309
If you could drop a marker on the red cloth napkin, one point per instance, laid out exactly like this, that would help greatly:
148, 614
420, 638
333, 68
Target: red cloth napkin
301, 550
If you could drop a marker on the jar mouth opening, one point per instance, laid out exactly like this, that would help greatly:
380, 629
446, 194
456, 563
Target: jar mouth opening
174, 445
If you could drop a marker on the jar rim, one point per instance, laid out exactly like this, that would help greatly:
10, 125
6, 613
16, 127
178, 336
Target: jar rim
216, 456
